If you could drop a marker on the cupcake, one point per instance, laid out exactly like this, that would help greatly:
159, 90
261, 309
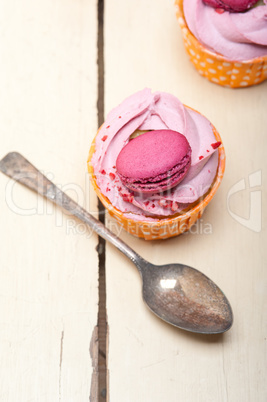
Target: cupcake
155, 164
226, 45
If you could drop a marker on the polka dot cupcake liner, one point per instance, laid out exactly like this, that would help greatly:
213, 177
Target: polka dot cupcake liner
162, 228
216, 68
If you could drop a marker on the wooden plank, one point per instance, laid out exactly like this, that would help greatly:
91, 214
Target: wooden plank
149, 360
49, 265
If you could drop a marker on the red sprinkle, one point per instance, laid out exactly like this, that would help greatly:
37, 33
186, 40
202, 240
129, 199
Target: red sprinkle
209, 171
112, 176
114, 167
219, 10
127, 198
153, 205
103, 171
104, 138
216, 144
107, 189
146, 203
208, 150
119, 117
107, 126
200, 157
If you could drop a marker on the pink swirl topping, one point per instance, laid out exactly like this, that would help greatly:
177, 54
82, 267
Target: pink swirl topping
237, 36
146, 111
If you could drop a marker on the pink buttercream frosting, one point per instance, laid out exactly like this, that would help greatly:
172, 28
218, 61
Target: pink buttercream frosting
237, 36
154, 111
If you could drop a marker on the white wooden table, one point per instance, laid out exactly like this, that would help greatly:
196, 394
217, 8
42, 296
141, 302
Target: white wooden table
49, 262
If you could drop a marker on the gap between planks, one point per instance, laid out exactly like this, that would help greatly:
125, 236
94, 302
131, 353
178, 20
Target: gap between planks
102, 314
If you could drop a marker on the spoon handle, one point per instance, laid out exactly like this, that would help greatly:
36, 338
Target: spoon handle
20, 169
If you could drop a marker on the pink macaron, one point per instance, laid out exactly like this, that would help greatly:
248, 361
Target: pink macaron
154, 161
234, 6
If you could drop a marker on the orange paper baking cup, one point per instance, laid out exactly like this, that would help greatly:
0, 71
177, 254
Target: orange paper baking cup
166, 227
217, 68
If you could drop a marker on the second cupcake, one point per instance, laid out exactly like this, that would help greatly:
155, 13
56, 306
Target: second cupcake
225, 45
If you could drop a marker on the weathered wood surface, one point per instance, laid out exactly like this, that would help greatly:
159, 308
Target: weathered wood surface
49, 265
149, 360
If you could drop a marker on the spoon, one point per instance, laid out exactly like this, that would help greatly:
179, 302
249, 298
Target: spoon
178, 294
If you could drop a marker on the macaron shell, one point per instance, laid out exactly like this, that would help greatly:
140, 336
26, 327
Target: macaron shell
159, 183
231, 5
152, 154
154, 161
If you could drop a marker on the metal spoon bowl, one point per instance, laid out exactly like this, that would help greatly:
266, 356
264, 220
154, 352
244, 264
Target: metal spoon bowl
178, 294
